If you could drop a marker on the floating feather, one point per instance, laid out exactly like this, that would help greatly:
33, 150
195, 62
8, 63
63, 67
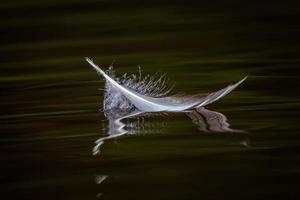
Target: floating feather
149, 94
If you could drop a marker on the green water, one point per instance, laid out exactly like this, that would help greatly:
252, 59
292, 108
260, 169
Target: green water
50, 101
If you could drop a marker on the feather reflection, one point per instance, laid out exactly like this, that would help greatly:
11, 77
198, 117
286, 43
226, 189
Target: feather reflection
210, 121
205, 120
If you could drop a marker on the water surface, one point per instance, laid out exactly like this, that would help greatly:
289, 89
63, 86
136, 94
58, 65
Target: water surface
50, 101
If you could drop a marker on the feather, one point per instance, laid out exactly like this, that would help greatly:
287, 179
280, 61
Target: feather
147, 103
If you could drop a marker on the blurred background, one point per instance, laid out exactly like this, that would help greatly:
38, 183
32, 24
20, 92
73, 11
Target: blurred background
50, 99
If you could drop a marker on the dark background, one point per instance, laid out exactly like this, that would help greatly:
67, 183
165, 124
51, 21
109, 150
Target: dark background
49, 99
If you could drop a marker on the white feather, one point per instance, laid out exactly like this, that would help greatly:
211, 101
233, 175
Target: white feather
154, 104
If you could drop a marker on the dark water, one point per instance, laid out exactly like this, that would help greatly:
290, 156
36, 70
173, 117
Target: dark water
50, 99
